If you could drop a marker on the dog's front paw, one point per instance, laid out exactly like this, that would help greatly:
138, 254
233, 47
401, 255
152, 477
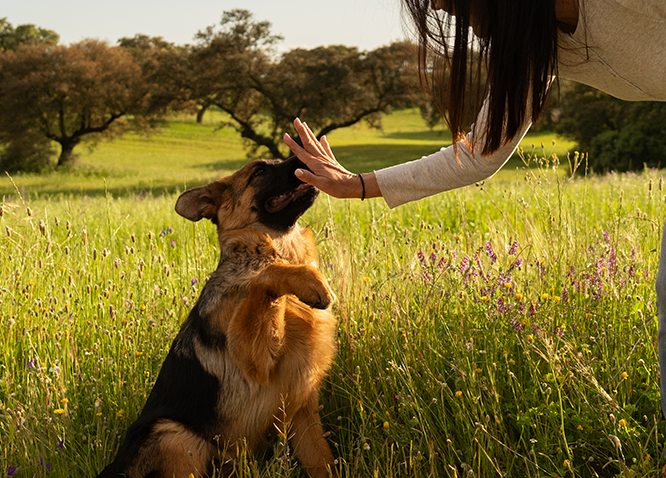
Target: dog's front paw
316, 293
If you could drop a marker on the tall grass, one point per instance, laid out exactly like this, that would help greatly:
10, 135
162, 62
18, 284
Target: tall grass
502, 330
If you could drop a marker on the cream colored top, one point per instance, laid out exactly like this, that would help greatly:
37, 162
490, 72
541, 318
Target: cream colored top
626, 58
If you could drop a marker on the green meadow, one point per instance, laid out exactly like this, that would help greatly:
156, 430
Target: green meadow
504, 329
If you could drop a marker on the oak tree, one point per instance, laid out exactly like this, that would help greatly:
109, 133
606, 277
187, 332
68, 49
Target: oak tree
236, 67
70, 93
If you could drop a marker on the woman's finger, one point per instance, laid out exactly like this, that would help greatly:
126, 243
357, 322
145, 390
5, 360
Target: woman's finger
307, 177
308, 138
326, 146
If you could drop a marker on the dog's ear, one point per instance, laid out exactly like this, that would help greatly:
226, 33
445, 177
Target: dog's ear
198, 203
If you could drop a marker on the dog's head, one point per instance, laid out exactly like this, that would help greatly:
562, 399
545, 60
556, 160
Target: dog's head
265, 194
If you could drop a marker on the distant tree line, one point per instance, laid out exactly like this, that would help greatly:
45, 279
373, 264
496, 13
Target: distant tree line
51, 93
54, 94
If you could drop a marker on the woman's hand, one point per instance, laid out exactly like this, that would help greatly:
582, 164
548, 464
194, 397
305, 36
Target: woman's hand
326, 174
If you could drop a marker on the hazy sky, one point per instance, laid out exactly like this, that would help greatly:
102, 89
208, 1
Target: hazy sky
303, 23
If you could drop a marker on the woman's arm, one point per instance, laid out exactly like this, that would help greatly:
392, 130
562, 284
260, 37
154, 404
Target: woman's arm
443, 170
439, 172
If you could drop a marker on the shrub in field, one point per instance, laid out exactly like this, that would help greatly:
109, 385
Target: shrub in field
618, 135
504, 330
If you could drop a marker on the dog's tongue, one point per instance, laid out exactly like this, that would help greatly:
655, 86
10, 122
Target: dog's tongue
279, 202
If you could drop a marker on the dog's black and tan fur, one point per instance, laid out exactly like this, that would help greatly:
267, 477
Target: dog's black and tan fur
256, 345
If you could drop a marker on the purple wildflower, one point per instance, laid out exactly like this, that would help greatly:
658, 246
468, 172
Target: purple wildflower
518, 263
502, 307
606, 237
491, 252
49, 467
11, 470
532, 311
396, 398
612, 261
194, 281
421, 257
514, 248
565, 295
31, 363
169, 229
464, 265
61, 444
173, 242
440, 264
162, 233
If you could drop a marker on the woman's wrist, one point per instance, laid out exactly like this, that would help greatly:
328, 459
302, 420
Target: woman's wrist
366, 186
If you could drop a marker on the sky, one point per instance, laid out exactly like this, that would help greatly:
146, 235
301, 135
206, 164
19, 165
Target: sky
366, 24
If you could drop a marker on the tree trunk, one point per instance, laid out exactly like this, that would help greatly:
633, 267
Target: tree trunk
67, 155
200, 113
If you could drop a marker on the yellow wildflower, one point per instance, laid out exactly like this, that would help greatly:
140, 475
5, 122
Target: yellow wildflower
624, 376
458, 394
519, 296
59, 411
386, 425
120, 413
622, 422
64, 401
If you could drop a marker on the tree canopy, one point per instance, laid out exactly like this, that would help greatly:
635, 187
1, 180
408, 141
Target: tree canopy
11, 37
68, 93
236, 68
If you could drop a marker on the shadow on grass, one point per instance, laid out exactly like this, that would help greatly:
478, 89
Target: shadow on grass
223, 165
357, 158
363, 158
72, 182
34, 192
443, 137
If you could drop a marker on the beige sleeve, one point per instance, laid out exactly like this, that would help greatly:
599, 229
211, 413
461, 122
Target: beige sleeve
442, 171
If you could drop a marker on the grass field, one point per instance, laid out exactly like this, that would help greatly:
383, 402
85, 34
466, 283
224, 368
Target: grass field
506, 329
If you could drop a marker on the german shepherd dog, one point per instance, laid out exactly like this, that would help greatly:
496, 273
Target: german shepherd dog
256, 345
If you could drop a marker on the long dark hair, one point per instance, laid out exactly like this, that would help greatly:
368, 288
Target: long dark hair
510, 58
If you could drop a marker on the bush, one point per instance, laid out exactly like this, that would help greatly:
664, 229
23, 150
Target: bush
618, 135
27, 152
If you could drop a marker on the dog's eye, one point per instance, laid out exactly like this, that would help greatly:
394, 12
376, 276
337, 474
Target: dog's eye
258, 172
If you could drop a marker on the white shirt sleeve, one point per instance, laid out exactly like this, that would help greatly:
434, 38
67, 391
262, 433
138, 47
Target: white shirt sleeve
442, 171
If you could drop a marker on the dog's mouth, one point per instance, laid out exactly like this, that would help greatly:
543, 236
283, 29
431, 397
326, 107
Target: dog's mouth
278, 203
